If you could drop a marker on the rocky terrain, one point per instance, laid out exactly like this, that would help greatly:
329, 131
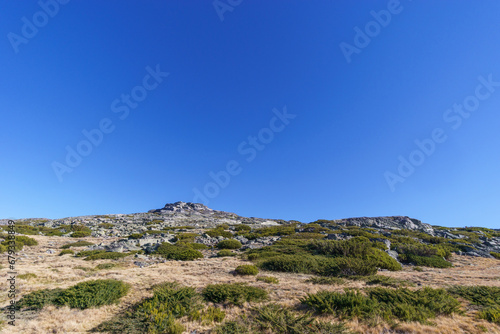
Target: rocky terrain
161, 225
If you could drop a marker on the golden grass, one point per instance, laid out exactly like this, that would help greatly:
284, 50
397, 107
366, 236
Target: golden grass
59, 271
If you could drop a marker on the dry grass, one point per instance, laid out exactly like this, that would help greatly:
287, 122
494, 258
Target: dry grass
58, 271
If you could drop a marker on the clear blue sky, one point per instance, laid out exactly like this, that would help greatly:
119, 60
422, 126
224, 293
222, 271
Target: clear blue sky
354, 108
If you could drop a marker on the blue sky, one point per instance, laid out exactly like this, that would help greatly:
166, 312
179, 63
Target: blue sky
285, 109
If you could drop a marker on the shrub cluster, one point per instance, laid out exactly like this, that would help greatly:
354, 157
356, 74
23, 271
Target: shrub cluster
233, 293
388, 304
268, 279
424, 255
229, 244
225, 252
160, 313
182, 252
247, 269
66, 251
495, 255
80, 243
486, 297
82, 295
219, 232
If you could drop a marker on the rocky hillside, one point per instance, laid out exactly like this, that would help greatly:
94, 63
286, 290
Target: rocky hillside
156, 226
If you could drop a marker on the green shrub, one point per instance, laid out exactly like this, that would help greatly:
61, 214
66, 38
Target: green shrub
491, 314
106, 225
247, 269
136, 235
268, 279
198, 246
219, 232
358, 247
82, 295
80, 243
389, 304
66, 251
291, 264
81, 234
208, 316
27, 276
279, 230
92, 294
495, 255
107, 256
419, 269
478, 295
432, 261
225, 252
242, 227
89, 252
178, 252
385, 281
232, 327
27, 241
382, 260
326, 280
305, 236
279, 319
229, 244
186, 237
3, 249
344, 266
157, 314
38, 299
234, 293
103, 266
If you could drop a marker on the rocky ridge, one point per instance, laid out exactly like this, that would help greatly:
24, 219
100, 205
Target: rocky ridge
160, 225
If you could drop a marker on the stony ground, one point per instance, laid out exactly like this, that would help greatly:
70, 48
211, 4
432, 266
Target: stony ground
53, 271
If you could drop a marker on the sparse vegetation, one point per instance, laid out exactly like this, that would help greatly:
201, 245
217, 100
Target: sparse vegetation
247, 269
229, 244
80, 243
495, 255
268, 279
82, 295
388, 304
225, 252
234, 293
66, 251
178, 252
27, 276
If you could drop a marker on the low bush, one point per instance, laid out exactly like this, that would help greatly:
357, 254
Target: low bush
229, 244
232, 327
219, 232
225, 252
66, 251
268, 279
326, 280
186, 237
495, 255
92, 294
491, 314
279, 319
291, 264
198, 246
345, 266
178, 252
389, 304
208, 316
80, 234
103, 266
157, 314
36, 300
431, 261
478, 295
247, 269
136, 235
80, 243
3, 249
234, 293
82, 295
242, 227
27, 241
106, 256
27, 276
89, 252
384, 281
